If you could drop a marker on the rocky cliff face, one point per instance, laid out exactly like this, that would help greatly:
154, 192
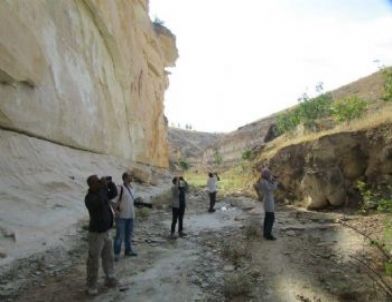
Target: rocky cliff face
81, 93
87, 74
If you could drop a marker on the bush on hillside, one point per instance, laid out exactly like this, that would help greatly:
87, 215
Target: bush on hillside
387, 73
287, 122
246, 155
349, 108
307, 113
311, 110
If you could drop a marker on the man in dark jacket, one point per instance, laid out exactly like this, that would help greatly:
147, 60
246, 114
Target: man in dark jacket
100, 244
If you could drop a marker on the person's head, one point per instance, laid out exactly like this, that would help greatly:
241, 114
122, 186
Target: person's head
127, 177
181, 182
210, 174
174, 180
94, 183
266, 174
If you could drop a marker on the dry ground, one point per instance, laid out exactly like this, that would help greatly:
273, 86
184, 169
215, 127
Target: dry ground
224, 258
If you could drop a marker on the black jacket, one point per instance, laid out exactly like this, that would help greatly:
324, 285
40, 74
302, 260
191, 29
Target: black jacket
99, 209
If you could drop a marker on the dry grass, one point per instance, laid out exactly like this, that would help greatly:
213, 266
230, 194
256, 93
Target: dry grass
237, 284
233, 180
142, 214
235, 251
252, 231
370, 120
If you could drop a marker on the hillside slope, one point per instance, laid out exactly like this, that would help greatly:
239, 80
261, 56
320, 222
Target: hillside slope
189, 145
253, 136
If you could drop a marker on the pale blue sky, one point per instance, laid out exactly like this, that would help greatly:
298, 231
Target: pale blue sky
243, 60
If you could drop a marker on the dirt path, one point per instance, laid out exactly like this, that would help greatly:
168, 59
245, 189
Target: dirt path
223, 258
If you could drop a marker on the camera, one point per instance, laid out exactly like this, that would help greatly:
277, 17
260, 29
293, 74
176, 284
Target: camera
107, 178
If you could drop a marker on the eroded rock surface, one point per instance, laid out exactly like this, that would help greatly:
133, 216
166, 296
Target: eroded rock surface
324, 172
87, 74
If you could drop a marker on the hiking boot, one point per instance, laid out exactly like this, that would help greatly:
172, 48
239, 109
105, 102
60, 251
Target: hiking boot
270, 237
111, 282
116, 258
130, 254
182, 234
172, 236
92, 291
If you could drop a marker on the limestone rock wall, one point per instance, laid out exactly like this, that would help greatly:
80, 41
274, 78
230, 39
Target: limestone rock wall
88, 74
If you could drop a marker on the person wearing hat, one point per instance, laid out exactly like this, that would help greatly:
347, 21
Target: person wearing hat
268, 185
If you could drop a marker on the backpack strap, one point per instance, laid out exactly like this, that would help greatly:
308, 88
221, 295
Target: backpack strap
120, 197
121, 193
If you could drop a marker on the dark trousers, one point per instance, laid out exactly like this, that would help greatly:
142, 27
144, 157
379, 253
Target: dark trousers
269, 219
212, 200
178, 214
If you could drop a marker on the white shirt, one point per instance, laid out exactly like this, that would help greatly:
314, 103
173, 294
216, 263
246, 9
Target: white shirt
126, 204
212, 184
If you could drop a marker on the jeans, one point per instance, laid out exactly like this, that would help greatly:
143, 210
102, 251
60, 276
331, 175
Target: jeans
99, 247
268, 223
178, 214
124, 230
212, 200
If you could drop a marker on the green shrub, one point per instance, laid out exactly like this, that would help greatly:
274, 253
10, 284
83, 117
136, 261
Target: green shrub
348, 109
218, 159
307, 113
387, 74
246, 155
316, 108
287, 122
183, 164
376, 200
385, 205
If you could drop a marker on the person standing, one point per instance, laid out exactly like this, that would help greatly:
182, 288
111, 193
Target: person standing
125, 216
179, 190
268, 186
97, 202
213, 178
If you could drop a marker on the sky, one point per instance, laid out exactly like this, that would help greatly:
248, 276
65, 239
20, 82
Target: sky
240, 61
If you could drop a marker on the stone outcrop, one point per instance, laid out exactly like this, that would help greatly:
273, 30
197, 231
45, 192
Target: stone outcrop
87, 74
81, 93
324, 172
